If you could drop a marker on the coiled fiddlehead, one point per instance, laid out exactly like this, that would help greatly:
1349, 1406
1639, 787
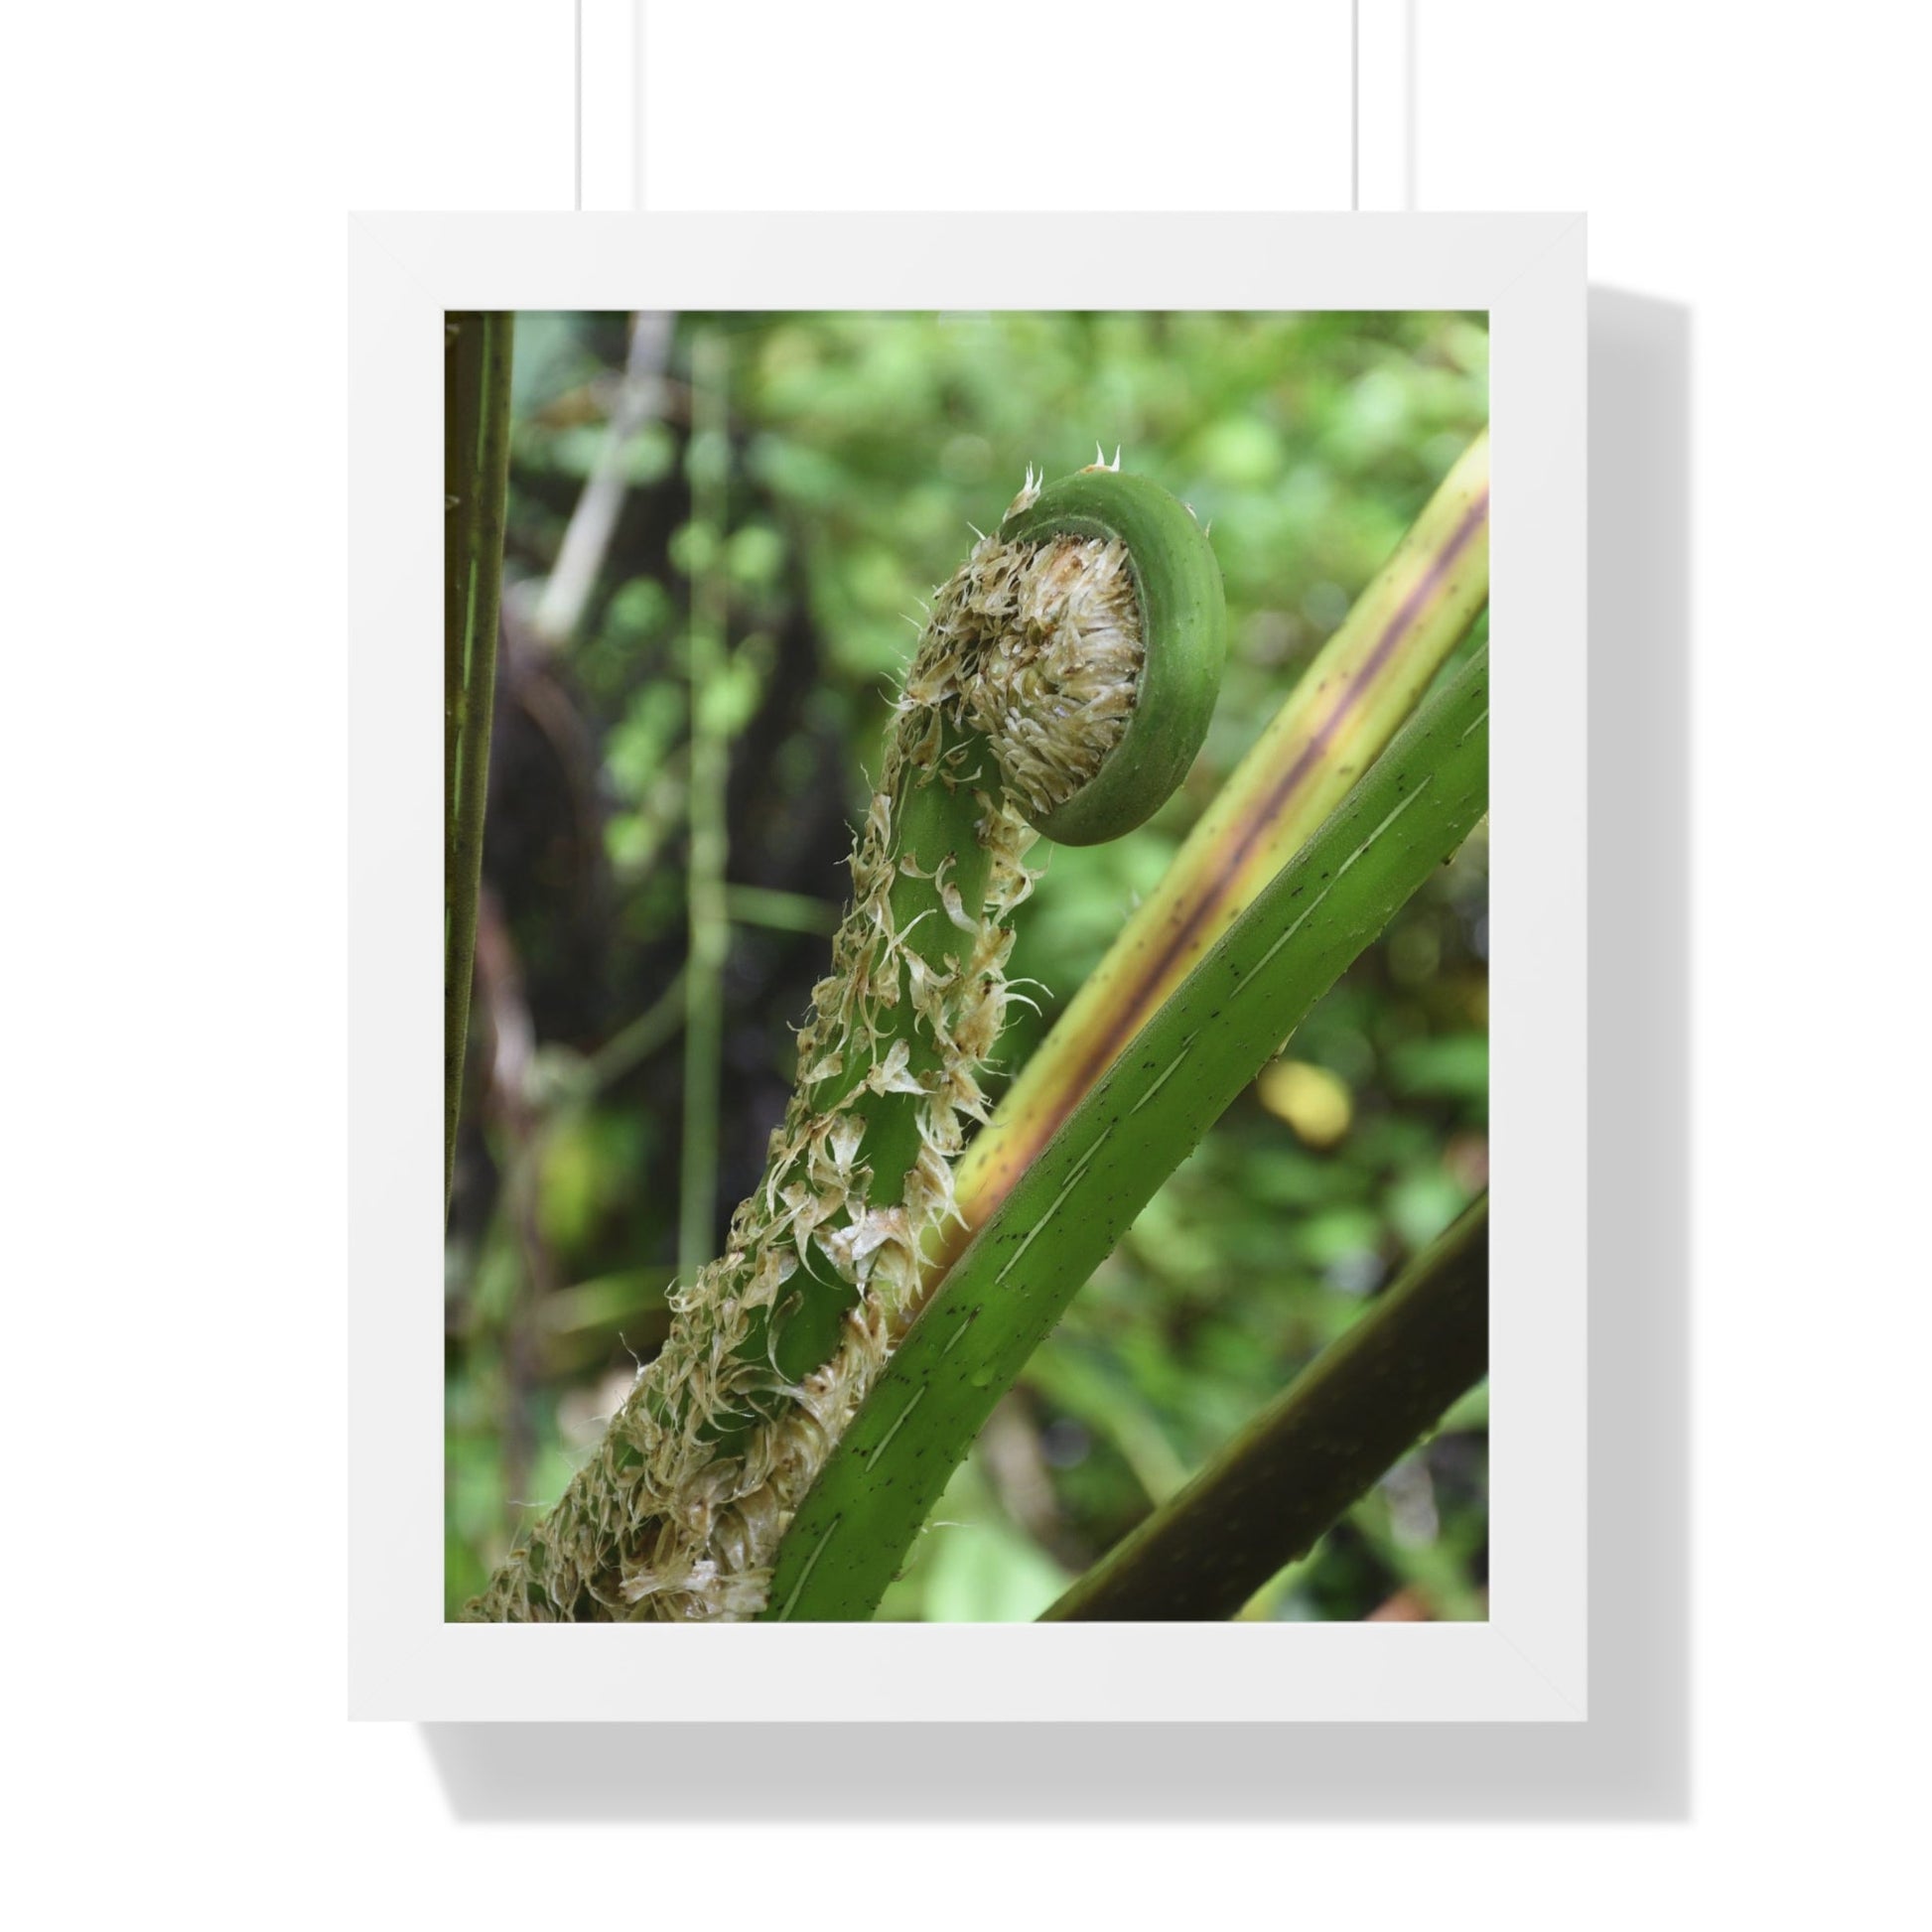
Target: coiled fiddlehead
1062, 684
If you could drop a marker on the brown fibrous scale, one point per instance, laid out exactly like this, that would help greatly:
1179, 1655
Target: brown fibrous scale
678, 1513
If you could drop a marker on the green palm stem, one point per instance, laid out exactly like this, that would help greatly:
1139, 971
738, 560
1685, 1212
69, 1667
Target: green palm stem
1205, 1045
1265, 1500
477, 353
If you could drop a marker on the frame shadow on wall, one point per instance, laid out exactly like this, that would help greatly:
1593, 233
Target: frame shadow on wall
1631, 1760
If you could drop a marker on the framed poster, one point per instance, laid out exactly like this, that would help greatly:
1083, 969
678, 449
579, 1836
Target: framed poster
1296, 373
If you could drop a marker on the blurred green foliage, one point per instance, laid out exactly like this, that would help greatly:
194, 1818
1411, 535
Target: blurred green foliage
858, 447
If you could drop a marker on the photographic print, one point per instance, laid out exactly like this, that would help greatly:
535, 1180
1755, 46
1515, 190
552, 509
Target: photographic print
967, 979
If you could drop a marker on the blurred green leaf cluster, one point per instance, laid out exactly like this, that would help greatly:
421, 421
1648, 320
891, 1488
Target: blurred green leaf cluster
860, 449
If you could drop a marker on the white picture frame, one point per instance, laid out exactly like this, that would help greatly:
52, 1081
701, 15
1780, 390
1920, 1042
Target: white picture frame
1529, 1663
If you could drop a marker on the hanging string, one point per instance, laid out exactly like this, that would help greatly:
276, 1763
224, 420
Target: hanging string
1355, 107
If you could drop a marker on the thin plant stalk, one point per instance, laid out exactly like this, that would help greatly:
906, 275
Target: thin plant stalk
708, 913
1286, 1478
475, 478
1352, 700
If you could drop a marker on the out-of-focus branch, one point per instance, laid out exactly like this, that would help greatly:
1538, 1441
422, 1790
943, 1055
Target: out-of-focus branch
509, 1099
581, 555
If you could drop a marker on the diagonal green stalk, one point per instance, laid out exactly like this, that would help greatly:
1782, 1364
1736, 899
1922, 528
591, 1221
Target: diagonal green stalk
1129, 1132
1265, 1500
477, 352
1364, 684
